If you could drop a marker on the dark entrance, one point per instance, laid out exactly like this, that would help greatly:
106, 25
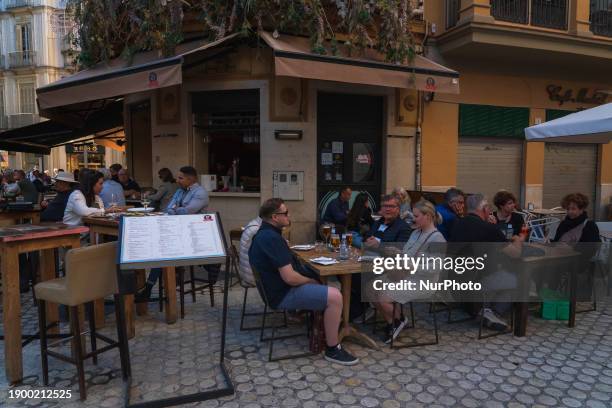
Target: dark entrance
349, 145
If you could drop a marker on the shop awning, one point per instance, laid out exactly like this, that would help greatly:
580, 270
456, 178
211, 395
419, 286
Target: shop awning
293, 57
120, 77
41, 137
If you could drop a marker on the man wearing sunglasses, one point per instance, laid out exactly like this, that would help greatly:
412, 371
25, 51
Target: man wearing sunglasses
283, 281
390, 228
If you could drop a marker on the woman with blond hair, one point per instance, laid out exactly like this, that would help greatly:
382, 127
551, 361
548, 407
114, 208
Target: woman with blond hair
425, 220
405, 204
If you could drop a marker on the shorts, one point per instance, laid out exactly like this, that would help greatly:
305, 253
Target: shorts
305, 297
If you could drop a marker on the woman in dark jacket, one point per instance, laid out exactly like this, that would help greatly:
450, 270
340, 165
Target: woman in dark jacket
576, 227
359, 218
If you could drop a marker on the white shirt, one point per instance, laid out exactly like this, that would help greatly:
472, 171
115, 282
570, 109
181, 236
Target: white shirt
77, 208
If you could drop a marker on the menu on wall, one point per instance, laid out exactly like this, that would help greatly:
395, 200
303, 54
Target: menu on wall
170, 240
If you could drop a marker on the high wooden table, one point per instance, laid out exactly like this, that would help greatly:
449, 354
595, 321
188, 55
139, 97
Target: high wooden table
110, 226
17, 216
46, 239
554, 257
344, 270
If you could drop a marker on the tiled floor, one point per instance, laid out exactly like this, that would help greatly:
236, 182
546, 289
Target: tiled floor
552, 366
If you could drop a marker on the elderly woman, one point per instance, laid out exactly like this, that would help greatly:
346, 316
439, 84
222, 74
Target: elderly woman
405, 205
425, 220
112, 192
161, 198
576, 227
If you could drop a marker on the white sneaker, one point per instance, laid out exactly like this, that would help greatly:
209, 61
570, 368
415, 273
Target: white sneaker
493, 321
397, 329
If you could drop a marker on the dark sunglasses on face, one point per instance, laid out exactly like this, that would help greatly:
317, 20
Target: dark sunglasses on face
389, 206
282, 213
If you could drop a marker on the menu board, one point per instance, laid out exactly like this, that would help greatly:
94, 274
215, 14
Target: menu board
170, 240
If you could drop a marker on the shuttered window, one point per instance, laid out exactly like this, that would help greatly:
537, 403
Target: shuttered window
492, 121
27, 98
552, 114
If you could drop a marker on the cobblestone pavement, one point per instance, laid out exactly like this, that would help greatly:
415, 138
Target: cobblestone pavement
552, 366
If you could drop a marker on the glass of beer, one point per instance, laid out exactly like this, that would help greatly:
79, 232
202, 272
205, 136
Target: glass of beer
349, 239
335, 241
326, 232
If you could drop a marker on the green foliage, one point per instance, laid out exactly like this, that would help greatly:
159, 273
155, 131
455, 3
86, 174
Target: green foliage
110, 28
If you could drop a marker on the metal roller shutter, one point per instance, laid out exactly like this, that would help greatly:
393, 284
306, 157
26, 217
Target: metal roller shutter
569, 168
489, 165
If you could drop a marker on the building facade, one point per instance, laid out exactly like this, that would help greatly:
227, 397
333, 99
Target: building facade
35, 51
521, 63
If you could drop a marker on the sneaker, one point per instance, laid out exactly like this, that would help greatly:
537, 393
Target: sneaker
493, 321
340, 356
393, 331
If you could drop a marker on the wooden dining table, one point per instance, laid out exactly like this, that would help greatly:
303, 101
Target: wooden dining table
14, 241
344, 271
109, 225
17, 216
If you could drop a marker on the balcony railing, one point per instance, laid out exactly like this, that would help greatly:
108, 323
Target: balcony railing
452, 12
18, 120
22, 59
514, 11
23, 3
601, 17
539, 13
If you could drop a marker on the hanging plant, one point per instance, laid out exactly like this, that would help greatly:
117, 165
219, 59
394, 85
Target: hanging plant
106, 29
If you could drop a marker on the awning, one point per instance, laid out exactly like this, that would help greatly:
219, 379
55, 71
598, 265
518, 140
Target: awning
293, 57
588, 126
120, 77
41, 137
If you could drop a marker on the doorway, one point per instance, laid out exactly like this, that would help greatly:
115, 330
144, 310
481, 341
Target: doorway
141, 160
349, 146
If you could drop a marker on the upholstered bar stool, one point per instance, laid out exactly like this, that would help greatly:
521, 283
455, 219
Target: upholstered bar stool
91, 273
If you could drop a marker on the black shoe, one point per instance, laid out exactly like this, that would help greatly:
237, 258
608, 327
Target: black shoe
392, 331
340, 356
143, 294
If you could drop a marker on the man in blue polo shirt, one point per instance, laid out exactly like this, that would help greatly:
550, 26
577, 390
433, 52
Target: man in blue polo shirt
285, 287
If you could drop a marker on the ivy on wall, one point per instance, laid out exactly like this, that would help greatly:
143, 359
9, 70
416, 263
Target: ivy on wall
106, 29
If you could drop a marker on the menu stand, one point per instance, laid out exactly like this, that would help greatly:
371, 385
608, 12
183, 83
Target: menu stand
127, 285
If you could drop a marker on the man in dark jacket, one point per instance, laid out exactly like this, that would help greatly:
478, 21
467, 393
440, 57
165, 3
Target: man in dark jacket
474, 228
390, 228
337, 210
27, 189
53, 211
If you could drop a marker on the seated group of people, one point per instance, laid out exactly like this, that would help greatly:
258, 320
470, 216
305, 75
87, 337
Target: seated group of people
287, 284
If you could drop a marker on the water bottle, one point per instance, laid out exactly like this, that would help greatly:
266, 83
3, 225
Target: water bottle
509, 232
344, 250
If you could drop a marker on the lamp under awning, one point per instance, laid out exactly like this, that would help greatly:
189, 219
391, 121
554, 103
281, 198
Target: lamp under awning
293, 57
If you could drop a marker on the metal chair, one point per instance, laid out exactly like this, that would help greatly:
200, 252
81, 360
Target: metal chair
274, 327
417, 344
542, 229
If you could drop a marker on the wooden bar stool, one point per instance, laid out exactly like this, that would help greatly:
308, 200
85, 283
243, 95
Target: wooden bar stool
91, 273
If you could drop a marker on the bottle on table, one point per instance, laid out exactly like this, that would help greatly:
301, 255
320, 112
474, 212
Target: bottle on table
344, 250
509, 232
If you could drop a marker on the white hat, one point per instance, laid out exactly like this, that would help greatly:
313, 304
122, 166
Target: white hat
65, 176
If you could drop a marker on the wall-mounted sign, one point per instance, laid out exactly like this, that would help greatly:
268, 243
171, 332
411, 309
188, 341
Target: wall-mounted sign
82, 147
584, 95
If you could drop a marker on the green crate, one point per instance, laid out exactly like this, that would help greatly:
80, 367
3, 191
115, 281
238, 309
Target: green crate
549, 310
563, 310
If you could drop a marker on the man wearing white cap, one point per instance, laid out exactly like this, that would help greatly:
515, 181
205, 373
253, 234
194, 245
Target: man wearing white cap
54, 210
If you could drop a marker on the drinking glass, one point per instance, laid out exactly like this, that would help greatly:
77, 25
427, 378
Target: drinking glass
113, 204
326, 232
335, 241
349, 239
319, 247
145, 200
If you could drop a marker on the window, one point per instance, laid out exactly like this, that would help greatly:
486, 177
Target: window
27, 98
23, 36
227, 126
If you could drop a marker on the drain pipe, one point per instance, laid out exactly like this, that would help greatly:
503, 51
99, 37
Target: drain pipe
417, 141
